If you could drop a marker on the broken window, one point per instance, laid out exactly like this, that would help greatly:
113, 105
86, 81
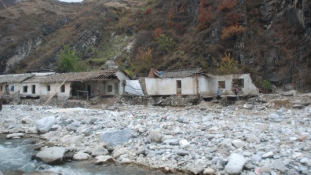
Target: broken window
25, 88
222, 84
48, 88
62, 88
109, 88
239, 82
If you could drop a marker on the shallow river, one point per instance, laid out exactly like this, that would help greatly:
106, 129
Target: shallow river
16, 155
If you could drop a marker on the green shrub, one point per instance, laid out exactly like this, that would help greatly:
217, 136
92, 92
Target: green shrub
165, 42
266, 85
69, 61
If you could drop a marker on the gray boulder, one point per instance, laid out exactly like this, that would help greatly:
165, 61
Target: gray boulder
99, 151
156, 135
278, 164
45, 124
182, 152
53, 155
118, 152
104, 159
72, 127
248, 106
275, 117
235, 163
87, 131
116, 137
197, 166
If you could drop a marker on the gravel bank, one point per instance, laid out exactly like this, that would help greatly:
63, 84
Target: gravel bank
205, 139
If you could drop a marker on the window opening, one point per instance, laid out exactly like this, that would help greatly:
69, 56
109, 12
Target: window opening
109, 88
25, 88
222, 84
62, 88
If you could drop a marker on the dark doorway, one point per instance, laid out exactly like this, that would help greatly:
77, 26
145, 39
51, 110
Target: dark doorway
178, 86
33, 89
89, 89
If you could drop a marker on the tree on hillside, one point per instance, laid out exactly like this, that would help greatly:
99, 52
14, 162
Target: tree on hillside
70, 61
227, 65
143, 60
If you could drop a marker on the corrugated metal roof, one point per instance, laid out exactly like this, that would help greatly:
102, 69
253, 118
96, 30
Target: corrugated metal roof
74, 76
177, 73
14, 78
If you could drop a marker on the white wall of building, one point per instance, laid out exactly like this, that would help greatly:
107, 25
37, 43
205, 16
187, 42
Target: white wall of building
207, 85
248, 89
42, 89
168, 86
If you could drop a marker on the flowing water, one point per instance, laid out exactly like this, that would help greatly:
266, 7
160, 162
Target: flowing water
16, 155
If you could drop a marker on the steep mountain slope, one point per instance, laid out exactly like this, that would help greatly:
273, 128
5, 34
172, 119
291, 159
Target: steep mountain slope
268, 38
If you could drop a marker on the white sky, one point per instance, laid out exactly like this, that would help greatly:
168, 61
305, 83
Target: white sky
71, 0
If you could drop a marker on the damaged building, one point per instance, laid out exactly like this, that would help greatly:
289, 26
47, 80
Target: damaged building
175, 88
195, 82
104, 83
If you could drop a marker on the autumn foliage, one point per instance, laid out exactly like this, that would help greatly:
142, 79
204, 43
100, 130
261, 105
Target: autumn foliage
143, 60
157, 31
232, 31
205, 16
225, 5
233, 18
148, 10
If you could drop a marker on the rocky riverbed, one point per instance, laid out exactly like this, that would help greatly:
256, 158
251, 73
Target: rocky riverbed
248, 137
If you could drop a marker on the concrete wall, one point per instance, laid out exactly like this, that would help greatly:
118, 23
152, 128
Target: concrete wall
248, 89
16, 88
42, 90
168, 86
115, 85
207, 85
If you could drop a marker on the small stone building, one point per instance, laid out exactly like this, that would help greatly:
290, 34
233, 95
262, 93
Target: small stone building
194, 82
11, 83
104, 83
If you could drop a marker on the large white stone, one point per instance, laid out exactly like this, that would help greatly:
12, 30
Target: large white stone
15, 135
184, 143
104, 159
45, 124
81, 156
235, 164
99, 150
53, 155
118, 152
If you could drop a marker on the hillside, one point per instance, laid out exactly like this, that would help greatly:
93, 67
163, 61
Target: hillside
269, 39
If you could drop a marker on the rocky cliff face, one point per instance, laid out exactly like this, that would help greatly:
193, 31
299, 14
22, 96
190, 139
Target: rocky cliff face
270, 39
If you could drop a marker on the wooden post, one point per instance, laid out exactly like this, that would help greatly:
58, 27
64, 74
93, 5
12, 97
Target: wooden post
48, 100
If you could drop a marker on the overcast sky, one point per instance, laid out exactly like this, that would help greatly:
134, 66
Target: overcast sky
71, 0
